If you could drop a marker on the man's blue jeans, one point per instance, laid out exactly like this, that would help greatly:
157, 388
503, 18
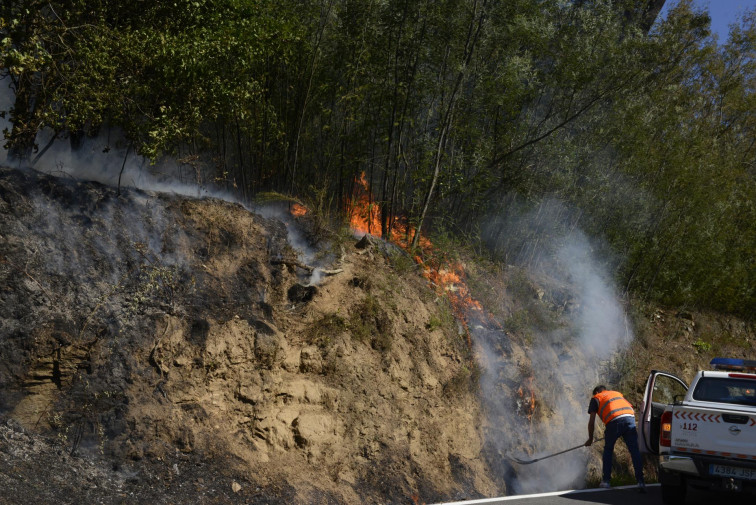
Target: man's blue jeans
622, 427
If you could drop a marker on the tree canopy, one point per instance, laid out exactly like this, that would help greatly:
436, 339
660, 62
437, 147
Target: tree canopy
460, 113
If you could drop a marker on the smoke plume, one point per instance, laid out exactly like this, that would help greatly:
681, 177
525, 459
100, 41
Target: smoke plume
539, 370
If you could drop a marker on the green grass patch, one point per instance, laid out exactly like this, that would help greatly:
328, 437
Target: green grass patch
322, 331
402, 263
369, 323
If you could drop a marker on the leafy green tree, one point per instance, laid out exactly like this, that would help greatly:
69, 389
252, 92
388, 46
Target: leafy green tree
455, 110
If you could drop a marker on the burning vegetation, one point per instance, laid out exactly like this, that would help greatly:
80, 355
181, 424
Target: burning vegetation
298, 210
446, 276
526, 400
218, 359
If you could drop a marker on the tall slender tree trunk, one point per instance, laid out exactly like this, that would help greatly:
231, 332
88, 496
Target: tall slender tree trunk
325, 12
472, 38
24, 130
240, 162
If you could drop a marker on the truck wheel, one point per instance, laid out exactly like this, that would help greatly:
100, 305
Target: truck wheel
674, 494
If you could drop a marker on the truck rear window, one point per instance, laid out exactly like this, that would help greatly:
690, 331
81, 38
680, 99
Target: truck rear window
726, 390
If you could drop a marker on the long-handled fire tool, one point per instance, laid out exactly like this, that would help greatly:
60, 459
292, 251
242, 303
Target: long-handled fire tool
527, 462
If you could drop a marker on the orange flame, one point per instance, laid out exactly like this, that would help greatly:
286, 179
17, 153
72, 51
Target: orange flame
365, 217
298, 210
447, 277
526, 403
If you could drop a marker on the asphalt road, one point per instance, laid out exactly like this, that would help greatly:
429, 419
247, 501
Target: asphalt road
627, 495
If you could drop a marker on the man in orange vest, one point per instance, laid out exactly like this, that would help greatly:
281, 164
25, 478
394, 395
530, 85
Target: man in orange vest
619, 417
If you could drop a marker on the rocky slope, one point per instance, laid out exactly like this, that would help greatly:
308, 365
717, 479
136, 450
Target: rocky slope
155, 347
164, 349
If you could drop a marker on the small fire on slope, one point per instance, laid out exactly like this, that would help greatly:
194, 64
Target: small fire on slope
364, 217
526, 402
298, 210
447, 276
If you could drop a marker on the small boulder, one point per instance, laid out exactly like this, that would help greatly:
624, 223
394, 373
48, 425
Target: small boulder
365, 242
310, 360
312, 429
270, 350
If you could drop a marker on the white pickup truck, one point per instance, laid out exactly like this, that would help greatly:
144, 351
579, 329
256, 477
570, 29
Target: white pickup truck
705, 434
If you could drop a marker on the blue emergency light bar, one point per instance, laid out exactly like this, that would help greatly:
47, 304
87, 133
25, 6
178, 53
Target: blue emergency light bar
734, 364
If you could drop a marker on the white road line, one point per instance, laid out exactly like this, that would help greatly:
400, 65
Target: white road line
540, 495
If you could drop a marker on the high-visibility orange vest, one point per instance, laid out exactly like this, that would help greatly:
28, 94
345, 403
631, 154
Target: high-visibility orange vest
612, 405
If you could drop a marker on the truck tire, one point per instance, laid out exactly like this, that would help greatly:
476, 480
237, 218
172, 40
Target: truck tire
674, 494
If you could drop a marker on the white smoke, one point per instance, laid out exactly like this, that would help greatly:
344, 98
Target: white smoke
601, 321
115, 164
109, 160
307, 254
106, 159
565, 357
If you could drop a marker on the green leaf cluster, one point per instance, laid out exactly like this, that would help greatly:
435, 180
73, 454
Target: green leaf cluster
459, 113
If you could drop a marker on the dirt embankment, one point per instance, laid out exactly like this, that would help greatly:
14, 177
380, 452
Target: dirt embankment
163, 349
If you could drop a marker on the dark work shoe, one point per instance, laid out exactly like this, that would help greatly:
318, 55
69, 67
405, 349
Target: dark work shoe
642, 487
605, 485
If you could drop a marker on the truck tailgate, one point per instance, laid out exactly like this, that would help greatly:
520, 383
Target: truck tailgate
714, 432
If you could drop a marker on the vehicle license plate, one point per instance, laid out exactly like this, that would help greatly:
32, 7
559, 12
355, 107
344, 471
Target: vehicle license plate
733, 471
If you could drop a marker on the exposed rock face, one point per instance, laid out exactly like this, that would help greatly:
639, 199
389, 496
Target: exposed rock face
147, 332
